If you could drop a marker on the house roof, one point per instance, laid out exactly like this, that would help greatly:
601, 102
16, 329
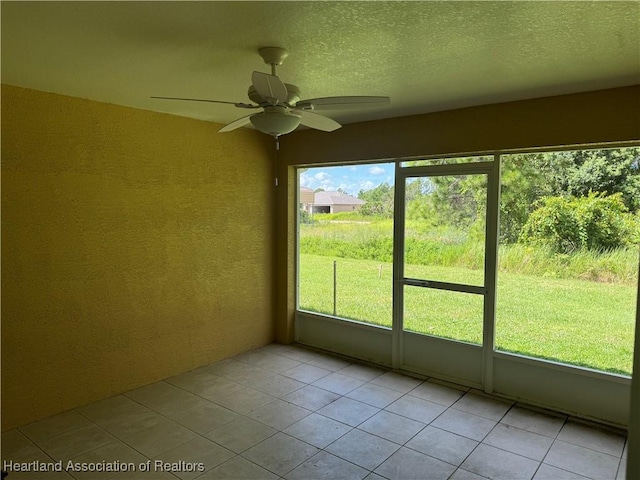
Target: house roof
336, 198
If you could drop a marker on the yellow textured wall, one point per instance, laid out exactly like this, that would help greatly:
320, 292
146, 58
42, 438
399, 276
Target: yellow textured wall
135, 246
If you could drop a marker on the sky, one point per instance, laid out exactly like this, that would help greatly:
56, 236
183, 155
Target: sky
350, 178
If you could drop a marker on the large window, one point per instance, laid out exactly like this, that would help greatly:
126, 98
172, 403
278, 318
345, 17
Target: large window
568, 257
346, 242
567, 260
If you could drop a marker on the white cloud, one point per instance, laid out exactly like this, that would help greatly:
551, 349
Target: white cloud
376, 171
321, 176
367, 185
305, 181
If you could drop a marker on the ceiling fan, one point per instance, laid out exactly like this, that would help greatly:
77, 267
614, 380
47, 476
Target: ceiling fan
282, 111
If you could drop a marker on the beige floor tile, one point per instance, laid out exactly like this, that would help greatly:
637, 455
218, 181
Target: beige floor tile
13, 441
433, 392
216, 388
53, 426
443, 445
374, 395
465, 424
238, 372
306, 373
279, 414
395, 381
534, 421
374, 476
408, 464
329, 363
159, 438
278, 364
199, 380
277, 385
482, 406
416, 409
338, 383
104, 410
362, 371
30, 454
592, 437
547, 472
34, 475
198, 452
245, 400
462, 474
318, 430
363, 449
581, 460
498, 464
151, 474
301, 354
72, 443
311, 398
165, 398
324, 466
240, 434
129, 420
238, 468
204, 418
280, 453
348, 411
121, 458
521, 442
392, 427
254, 357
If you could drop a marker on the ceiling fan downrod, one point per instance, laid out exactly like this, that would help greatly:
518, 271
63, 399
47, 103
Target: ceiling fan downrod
273, 56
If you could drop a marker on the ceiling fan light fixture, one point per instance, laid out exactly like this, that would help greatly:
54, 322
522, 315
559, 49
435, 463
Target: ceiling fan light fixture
275, 121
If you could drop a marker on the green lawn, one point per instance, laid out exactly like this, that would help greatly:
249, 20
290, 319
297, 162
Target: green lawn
573, 321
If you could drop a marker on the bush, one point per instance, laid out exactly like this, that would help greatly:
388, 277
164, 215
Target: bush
571, 223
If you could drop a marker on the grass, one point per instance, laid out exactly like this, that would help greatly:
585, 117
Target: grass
571, 320
443, 247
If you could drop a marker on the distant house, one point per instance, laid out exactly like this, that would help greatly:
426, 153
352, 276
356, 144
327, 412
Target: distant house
328, 202
306, 199
334, 202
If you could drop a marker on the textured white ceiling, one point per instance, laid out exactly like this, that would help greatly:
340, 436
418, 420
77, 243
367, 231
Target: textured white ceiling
427, 56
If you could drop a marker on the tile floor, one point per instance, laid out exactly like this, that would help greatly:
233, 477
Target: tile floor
285, 412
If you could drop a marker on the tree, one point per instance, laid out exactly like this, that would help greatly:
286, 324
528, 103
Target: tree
379, 201
606, 171
525, 178
567, 223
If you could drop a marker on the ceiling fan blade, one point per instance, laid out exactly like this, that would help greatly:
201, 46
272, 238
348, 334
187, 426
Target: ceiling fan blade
269, 87
319, 122
237, 104
337, 103
241, 122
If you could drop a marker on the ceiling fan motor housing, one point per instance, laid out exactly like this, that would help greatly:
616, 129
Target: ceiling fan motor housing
293, 95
